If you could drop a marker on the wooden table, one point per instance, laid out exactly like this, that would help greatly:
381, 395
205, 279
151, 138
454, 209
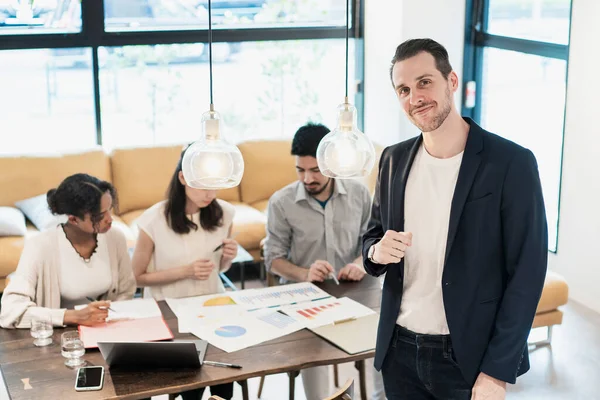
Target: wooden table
51, 379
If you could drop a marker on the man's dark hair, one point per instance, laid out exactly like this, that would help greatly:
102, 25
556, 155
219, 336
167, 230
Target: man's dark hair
412, 47
80, 194
307, 139
211, 216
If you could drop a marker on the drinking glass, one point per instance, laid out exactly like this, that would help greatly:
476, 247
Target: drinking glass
72, 349
41, 331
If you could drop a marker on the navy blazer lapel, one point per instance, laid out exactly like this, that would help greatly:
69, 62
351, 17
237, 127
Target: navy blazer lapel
401, 170
466, 176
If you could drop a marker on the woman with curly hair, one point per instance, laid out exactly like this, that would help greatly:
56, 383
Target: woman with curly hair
64, 266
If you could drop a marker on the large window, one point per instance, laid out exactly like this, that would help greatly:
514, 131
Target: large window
516, 52
124, 73
43, 106
22, 17
264, 90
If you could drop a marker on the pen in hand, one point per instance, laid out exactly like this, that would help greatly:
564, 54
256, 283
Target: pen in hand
92, 300
221, 245
221, 364
332, 275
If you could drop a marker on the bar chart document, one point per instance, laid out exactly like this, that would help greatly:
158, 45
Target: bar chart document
278, 295
317, 313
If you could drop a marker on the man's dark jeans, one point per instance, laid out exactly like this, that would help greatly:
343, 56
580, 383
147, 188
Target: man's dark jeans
422, 367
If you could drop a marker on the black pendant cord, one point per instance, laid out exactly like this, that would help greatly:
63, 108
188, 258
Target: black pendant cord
347, 30
210, 52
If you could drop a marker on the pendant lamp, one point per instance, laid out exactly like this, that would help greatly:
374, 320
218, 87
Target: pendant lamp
346, 152
212, 163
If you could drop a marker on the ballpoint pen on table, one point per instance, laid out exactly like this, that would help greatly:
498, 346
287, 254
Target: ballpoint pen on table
221, 245
92, 300
221, 364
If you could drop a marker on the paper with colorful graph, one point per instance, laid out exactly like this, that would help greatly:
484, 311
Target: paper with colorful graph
317, 313
245, 330
191, 310
276, 296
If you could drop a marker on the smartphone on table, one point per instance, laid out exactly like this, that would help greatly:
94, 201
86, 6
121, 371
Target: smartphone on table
89, 378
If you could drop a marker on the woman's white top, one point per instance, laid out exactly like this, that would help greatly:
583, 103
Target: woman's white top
81, 278
172, 250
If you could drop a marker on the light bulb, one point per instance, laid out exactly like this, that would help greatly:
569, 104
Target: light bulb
346, 152
212, 162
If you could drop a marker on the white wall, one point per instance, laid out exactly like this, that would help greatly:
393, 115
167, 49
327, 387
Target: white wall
387, 24
578, 256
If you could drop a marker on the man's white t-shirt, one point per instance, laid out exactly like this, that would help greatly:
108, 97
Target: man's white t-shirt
428, 199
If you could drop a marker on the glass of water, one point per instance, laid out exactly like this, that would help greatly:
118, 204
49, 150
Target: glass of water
41, 331
72, 348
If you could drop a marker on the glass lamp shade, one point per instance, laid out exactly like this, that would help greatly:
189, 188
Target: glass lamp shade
211, 162
346, 152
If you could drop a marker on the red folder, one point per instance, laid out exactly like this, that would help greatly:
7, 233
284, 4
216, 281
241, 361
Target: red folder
131, 330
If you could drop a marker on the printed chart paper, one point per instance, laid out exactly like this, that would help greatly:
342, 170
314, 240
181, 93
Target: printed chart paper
191, 310
278, 295
248, 329
326, 311
202, 315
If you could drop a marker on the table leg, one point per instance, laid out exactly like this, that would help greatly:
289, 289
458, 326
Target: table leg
244, 385
293, 375
336, 376
242, 269
260, 386
360, 366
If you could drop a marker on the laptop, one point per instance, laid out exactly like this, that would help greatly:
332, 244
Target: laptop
154, 355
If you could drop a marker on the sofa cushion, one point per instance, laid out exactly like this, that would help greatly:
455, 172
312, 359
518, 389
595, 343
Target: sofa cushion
269, 166
25, 177
554, 294
251, 225
130, 217
121, 225
261, 206
547, 318
10, 252
37, 211
142, 175
129, 220
12, 222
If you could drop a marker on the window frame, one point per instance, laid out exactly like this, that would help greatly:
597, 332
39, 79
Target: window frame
477, 39
93, 36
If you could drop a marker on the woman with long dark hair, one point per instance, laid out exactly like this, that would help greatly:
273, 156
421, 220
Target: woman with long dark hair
64, 266
175, 252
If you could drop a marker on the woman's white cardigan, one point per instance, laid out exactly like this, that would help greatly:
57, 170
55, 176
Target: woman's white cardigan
34, 289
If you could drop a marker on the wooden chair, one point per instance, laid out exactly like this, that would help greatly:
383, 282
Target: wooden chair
346, 392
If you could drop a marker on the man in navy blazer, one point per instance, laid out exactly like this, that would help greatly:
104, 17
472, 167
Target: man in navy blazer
458, 226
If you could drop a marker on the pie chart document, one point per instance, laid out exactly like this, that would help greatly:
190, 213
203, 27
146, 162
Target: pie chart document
244, 330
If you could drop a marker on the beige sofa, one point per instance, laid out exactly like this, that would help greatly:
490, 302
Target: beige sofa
141, 177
